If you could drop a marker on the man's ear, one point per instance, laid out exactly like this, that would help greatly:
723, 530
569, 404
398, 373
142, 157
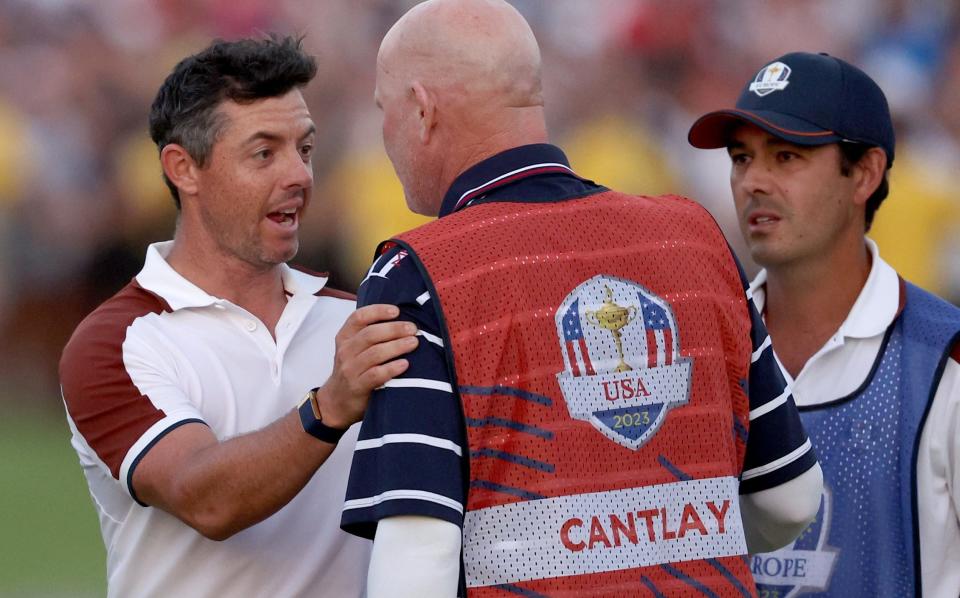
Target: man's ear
868, 172
426, 107
180, 168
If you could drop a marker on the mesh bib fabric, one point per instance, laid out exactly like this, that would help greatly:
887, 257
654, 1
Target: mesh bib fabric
864, 540
598, 345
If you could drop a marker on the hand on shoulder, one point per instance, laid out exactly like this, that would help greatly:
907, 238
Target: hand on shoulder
368, 350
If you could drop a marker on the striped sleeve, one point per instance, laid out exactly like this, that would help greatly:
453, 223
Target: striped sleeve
778, 449
410, 455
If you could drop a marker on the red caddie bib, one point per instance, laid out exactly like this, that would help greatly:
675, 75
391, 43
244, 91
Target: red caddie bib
599, 346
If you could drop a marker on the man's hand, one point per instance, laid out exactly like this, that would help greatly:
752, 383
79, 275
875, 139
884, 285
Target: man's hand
366, 357
220, 488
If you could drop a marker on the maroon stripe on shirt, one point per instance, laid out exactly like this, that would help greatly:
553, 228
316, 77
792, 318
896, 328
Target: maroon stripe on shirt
506, 181
109, 411
325, 291
328, 292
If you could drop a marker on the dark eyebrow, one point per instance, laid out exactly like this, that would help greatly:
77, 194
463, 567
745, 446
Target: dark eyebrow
268, 136
310, 131
771, 142
780, 144
261, 135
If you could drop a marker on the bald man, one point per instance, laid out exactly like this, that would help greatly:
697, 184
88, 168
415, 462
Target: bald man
575, 419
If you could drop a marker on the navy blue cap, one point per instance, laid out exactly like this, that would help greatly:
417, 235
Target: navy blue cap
806, 99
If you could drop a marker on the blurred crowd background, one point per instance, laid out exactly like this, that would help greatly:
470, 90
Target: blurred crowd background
80, 188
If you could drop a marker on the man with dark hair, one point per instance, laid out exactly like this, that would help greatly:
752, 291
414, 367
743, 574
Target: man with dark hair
181, 390
872, 359
185, 109
594, 410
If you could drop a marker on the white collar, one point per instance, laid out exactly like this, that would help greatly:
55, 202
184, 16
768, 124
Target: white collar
157, 276
875, 308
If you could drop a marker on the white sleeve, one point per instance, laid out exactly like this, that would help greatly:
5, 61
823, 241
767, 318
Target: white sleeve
949, 393
772, 518
123, 391
938, 488
414, 557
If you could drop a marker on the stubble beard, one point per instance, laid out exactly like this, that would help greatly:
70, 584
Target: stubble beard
249, 247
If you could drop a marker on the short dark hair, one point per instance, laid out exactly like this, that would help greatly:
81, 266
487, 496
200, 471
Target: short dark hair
850, 154
185, 108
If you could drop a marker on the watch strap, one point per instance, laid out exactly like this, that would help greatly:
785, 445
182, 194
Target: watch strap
312, 420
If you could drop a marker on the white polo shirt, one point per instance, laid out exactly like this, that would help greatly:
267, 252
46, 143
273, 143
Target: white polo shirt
843, 364
161, 353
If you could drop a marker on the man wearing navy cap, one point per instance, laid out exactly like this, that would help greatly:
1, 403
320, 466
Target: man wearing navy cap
872, 359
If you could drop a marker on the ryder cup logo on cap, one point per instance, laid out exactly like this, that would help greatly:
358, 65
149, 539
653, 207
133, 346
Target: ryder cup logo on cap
771, 78
822, 99
622, 366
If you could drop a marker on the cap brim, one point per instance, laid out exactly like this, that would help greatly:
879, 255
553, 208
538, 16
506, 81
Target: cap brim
713, 130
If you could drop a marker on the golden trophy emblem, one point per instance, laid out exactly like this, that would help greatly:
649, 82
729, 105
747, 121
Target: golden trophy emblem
613, 317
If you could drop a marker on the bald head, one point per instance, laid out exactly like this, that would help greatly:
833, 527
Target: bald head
481, 49
458, 81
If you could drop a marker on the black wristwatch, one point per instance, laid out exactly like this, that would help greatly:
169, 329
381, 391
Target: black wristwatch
312, 420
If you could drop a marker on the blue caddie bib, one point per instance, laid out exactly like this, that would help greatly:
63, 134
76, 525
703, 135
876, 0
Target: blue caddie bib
865, 539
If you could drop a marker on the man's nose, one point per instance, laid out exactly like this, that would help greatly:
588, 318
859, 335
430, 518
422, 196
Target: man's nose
756, 177
298, 172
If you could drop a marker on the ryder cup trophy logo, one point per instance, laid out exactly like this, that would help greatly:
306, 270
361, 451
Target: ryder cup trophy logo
622, 366
613, 317
771, 78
